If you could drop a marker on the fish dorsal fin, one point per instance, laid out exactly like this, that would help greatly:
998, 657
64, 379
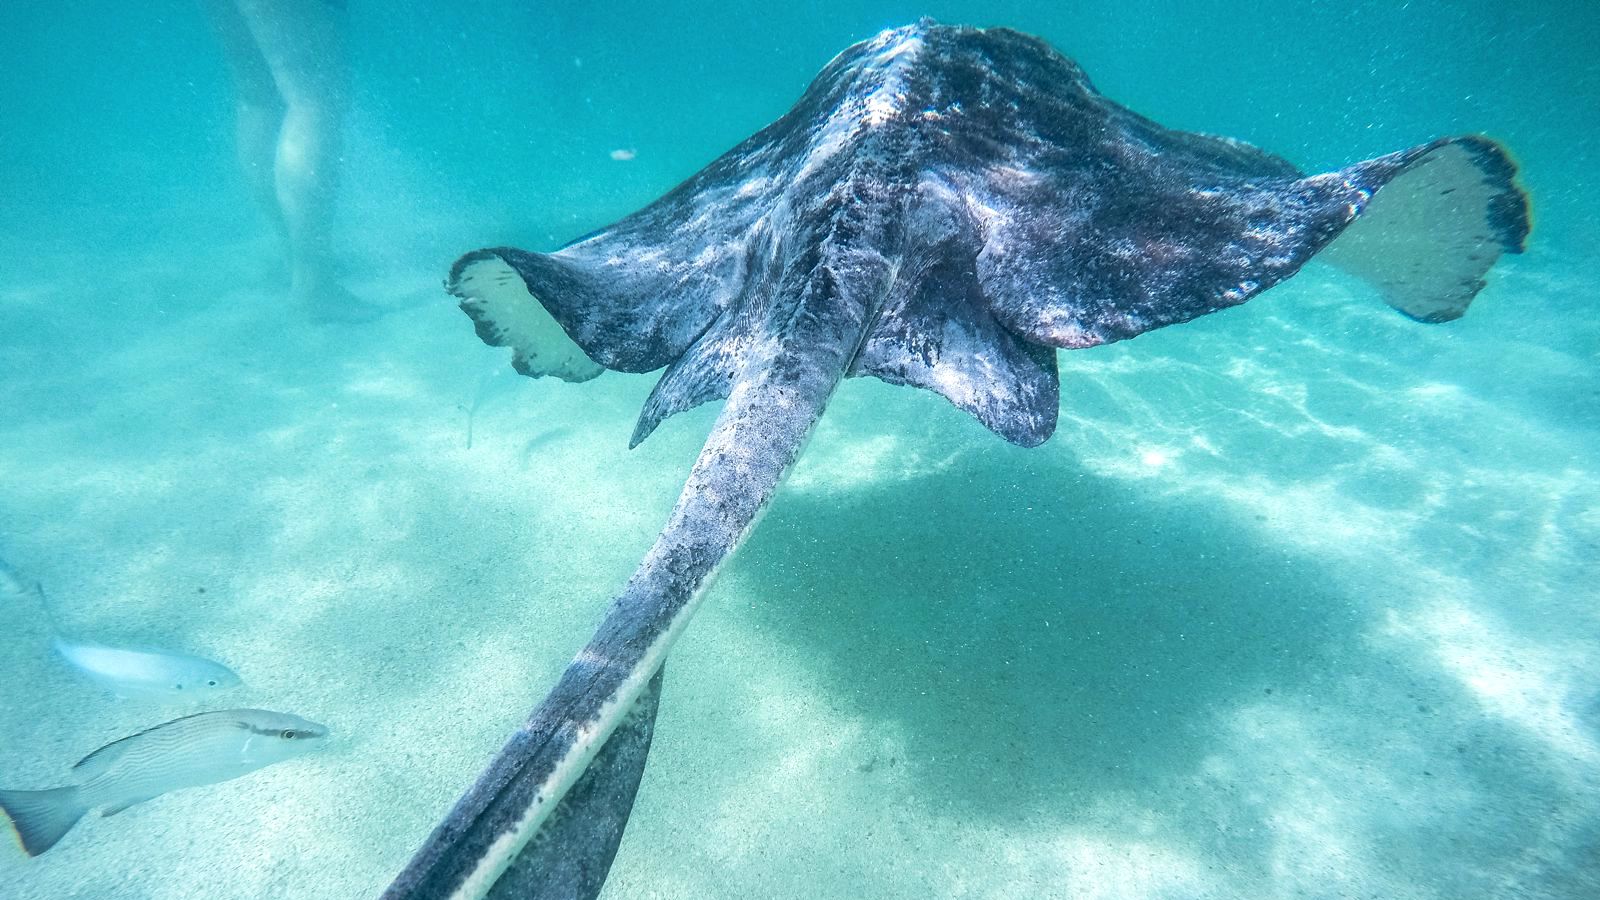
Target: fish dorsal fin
100, 760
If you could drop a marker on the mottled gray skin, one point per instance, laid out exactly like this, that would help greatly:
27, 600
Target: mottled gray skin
944, 207
572, 853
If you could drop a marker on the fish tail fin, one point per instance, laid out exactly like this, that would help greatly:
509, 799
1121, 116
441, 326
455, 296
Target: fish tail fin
41, 818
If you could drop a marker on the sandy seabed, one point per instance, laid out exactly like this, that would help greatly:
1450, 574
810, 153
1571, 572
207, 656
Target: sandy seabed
1299, 602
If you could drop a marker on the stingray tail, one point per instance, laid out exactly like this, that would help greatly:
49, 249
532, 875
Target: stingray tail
41, 818
1430, 222
757, 437
571, 854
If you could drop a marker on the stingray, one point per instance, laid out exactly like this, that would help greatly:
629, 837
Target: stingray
944, 207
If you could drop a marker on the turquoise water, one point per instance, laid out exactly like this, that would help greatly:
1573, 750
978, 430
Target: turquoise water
1299, 601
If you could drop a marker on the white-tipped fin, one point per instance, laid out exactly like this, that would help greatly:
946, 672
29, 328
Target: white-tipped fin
1429, 235
507, 315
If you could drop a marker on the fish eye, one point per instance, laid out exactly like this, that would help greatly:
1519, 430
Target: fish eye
290, 734
211, 683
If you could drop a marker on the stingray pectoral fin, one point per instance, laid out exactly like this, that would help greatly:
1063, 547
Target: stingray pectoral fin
1144, 227
936, 332
702, 375
506, 314
570, 856
1439, 217
626, 304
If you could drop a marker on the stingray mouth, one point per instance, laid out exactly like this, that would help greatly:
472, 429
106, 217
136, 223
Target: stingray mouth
507, 314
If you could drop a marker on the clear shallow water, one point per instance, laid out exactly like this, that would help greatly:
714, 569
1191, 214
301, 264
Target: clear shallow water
1298, 601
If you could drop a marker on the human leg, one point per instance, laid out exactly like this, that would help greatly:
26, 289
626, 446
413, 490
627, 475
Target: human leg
258, 108
304, 46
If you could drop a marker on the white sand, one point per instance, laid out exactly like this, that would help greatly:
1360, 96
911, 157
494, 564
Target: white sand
1298, 603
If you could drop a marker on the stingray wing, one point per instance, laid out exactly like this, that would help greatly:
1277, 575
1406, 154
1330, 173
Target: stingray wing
1098, 224
632, 296
1038, 214
936, 332
1062, 219
649, 290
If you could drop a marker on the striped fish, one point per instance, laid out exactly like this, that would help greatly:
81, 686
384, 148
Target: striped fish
195, 750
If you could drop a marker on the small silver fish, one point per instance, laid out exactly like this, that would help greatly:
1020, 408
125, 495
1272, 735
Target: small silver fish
195, 750
138, 674
148, 674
